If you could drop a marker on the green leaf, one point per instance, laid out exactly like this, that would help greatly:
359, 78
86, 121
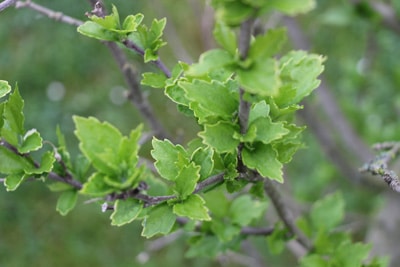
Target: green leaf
244, 210
11, 163
5, 88
30, 142
203, 157
13, 181
96, 186
299, 73
94, 30
225, 37
262, 78
131, 22
193, 207
313, 260
263, 158
159, 221
232, 12
220, 136
100, 143
327, 213
267, 45
129, 149
170, 159
217, 203
109, 22
13, 118
277, 240
46, 164
210, 60
66, 202
349, 254
225, 232
155, 80
291, 7
126, 210
185, 182
210, 99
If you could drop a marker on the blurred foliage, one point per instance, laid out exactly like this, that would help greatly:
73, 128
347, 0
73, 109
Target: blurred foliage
61, 73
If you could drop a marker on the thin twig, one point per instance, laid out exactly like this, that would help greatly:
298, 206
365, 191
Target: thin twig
57, 16
284, 213
6, 3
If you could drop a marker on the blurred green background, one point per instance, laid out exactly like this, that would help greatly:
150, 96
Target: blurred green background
61, 73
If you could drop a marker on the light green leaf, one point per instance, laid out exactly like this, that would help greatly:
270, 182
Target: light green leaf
203, 157
291, 7
31, 141
131, 22
225, 37
94, 30
210, 99
299, 73
186, 181
233, 12
263, 158
96, 186
156, 29
217, 202
261, 78
266, 130
225, 232
46, 164
159, 221
155, 80
349, 254
220, 136
193, 207
244, 210
170, 159
109, 22
5, 88
11, 163
13, 181
66, 202
129, 149
100, 143
13, 118
313, 260
328, 212
210, 60
267, 45
126, 210
59, 186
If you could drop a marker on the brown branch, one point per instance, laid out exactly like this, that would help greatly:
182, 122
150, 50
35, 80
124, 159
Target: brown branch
284, 214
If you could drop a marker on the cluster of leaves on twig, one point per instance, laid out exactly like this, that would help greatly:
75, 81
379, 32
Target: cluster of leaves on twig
244, 98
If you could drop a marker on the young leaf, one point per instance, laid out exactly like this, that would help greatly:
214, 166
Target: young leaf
30, 142
263, 158
210, 60
349, 254
225, 37
267, 45
46, 164
13, 118
328, 212
193, 207
244, 210
5, 88
109, 22
155, 80
169, 158
13, 181
94, 30
210, 99
266, 131
291, 7
131, 22
220, 136
261, 78
159, 221
66, 202
99, 142
225, 232
126, 210
96, 186
186, 181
